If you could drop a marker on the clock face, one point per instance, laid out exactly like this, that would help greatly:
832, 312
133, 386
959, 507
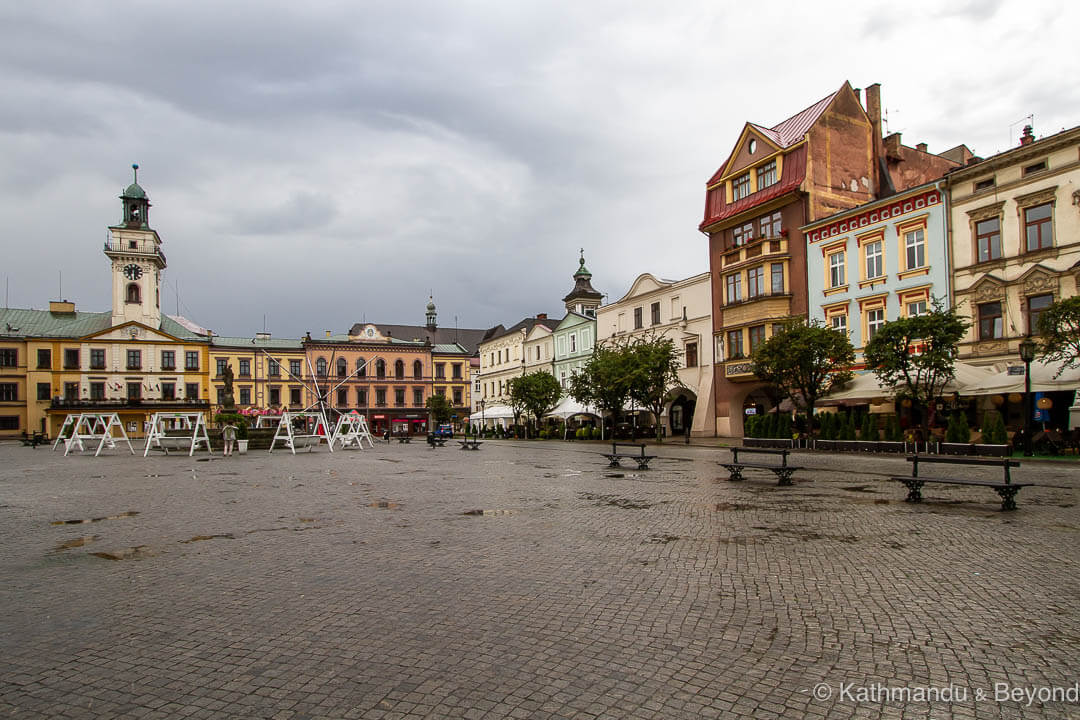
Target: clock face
133, 272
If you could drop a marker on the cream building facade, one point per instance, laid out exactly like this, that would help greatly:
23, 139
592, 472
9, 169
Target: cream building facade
681, 311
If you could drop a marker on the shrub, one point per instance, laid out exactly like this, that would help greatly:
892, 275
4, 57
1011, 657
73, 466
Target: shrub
958, 430
869, 429
993, 429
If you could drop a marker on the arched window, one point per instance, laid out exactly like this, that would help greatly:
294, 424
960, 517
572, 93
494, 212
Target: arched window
380, 368
320, 367
361, 367
342, 368
133, 294
418, 370
399, 369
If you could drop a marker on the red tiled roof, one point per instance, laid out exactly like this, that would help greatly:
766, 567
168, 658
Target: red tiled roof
791, 178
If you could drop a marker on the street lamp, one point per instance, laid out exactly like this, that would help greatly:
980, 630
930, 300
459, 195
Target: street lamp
1027, 354
483, 424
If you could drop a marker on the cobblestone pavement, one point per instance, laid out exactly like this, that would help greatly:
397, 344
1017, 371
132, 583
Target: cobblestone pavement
525, 580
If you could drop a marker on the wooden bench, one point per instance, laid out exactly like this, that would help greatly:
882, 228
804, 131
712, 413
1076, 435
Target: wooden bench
32, 441
468, 444
1005, 488
435, 441
640, 457
404, 438
783, 471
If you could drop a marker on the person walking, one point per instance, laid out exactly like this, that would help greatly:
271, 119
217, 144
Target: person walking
228, 434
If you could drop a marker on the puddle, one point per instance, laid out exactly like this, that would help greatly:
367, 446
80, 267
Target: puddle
724, 506
657, 538
614, 475
489, 512
385, 505
624, 503
137, 552
858, 488
77, 542
199, 538
129, 513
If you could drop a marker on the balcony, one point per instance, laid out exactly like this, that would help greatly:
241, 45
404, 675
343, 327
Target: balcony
134, 247
761, 247
117, 404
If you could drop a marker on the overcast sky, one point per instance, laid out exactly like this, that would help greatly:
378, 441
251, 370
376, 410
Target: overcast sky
323, 163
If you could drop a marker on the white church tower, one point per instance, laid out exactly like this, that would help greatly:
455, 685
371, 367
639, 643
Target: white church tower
137, 261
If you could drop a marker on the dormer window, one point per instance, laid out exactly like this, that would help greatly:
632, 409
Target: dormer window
740, 187
766, 175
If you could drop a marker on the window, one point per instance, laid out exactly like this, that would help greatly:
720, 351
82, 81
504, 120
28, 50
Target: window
734, 288
1035, 306
655, 310
133, 294
273, 368
44, 359
71, 358
837, 276
755, 282
691, 354
740, 187
1035, 168
988, 239
245, 396
342, 397
294, 369
168, 360
43, 390
399, 396
71, 391
734, 344
456, 374
275, 396
875, 320
320, 367
417, 370
915, 248
361, 367
9, 392
777, 272
342, 367
440, 371
990, 324
418, 396
361, 397
134, 391
222, 363
245, 368
573, 342
770, 226
168, 391
638, 324
380, 369
294, 396
458, 396
191, 391
191, 360
134, 360
766, 175
97, 391
875, 267
742, 234
1038, 227
399, 369
757, 336
916, 308
984, 184
9, 357
9, 422
839, 323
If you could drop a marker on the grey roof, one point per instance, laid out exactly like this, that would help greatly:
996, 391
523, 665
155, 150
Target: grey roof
267, 343
18, 322
527, 324
450, 349
468, 338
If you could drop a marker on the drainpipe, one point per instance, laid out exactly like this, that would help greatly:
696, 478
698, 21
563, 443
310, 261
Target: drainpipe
942, 187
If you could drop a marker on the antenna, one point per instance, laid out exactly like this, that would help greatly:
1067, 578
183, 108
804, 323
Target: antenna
7, 280
61, 273
264, 322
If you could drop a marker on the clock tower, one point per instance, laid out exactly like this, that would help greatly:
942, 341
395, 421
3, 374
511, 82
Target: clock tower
134, 250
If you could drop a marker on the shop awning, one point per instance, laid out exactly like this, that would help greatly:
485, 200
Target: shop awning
568, 407
1043, 379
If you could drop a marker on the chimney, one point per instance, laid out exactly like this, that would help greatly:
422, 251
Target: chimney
892, 147
1028, 137
327, 333
262, 336
61, 306
873, 107
541, 316
858, 94
921, 147
873, 113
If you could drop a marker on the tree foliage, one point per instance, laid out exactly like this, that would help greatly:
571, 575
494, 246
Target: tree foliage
535, 394
440, 408
804, 361
653, 363
604, 380
1059, 326
916, 356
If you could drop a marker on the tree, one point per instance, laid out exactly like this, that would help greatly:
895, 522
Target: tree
804, 362
653, 363
604, 380
536, 394
1059, 325
440, 409
916, 356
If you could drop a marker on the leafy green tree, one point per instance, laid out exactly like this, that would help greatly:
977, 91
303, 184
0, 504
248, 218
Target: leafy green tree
536, 394
916, 356
653, 363
440, 408
1059, 326
604, 380
804, 362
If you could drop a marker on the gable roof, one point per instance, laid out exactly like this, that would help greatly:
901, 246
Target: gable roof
527, 324
468, 338
19, 322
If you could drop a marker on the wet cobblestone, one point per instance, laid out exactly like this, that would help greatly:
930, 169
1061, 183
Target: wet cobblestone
526, 580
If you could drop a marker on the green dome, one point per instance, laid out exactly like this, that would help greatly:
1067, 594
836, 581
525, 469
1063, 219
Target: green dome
134, 191
431, 306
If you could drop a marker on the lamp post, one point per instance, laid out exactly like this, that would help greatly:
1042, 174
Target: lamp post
483, 425
1027, 354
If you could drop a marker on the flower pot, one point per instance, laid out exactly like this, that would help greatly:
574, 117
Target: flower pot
241, 447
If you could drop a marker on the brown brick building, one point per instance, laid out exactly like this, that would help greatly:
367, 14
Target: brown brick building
829, 157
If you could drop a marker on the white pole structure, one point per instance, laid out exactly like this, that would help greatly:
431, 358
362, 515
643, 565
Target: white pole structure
194, 422
69, 422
